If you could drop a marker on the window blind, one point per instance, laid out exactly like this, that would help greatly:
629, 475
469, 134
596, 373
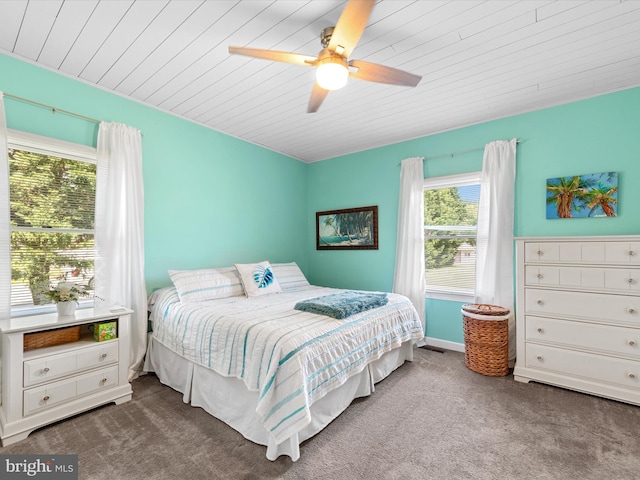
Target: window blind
52, 210
451, 216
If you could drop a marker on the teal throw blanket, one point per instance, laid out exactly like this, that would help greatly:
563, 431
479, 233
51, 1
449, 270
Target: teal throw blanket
344, 304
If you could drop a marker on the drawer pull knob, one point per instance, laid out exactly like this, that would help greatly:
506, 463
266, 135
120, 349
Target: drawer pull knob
539, 275
539, 302
540, 252
631, 253
631, 310
540, 330
45, 370
539, 357
104, 355
632, 343
631, 280
104, 380
45, 398
631, 375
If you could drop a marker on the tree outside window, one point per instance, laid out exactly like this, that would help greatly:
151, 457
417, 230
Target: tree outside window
450, 220
52, 204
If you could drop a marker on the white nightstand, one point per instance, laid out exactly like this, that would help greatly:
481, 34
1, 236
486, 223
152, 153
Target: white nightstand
44, 385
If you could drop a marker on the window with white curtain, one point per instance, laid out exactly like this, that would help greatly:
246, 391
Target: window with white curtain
450, 222
52, 187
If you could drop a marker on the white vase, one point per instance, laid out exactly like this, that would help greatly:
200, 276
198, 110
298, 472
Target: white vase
66, 308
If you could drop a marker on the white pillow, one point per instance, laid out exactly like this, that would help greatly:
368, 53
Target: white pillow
258, 278
289, 275
206, 284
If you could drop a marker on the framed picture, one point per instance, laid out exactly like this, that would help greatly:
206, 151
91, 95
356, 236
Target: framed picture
348, 229
583, 196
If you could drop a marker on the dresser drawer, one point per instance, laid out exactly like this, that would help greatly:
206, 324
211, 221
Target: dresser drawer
624, 253
47, 396
606, 253
51, 367
625, 280
619, 309
600, 338
601, 368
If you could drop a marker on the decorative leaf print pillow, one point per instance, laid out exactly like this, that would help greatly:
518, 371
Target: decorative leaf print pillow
258, 278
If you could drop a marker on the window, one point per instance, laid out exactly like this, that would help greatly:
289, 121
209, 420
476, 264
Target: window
450, 220
52, 188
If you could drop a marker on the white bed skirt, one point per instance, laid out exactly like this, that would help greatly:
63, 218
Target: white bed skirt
228, 399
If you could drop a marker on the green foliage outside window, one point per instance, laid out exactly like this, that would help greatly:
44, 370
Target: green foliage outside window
52, 204
444, 207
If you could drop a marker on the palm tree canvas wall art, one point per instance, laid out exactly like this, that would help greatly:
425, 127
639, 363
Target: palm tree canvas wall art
583, 196
347, 229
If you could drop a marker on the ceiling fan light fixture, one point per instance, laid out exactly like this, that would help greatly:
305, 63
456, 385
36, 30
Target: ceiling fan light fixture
332, 67
332, 73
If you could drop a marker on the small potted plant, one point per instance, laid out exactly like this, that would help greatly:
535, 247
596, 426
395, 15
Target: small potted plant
66, 296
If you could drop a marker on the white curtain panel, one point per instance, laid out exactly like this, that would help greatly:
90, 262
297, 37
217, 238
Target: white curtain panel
408, 279
119, 231
494, 252
5, 234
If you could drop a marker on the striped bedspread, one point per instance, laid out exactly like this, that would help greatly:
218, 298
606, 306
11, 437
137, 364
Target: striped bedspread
291, 358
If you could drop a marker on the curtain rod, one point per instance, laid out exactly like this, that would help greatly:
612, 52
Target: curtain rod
456, 153
52, 108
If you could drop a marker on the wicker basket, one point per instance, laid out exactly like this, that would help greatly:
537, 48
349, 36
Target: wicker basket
49, 338
486, 339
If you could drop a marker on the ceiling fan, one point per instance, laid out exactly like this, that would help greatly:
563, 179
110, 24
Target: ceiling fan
332, 65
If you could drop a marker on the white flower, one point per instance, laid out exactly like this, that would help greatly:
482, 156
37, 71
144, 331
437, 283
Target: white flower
65, 292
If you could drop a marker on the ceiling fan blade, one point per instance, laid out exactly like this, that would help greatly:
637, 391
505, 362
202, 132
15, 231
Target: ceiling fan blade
275, 55
318, 95
350, 26
372, 72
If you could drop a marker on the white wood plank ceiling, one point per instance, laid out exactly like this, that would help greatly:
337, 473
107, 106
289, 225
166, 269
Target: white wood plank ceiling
480, 60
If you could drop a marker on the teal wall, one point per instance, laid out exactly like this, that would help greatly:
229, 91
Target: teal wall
210, 199
595, 135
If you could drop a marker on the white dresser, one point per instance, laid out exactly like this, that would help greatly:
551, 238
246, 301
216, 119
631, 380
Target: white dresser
578, 314
43, 385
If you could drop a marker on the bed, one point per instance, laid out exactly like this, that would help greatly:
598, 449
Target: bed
276, 374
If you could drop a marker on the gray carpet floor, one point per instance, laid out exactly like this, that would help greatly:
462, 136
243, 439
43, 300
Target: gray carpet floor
431, 419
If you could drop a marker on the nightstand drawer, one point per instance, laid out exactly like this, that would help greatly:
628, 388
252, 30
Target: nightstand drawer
598, 338
47, 396
586, 365
51, 367
101, 379
54, 394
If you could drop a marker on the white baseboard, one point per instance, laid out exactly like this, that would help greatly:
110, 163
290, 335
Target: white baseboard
447, 345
